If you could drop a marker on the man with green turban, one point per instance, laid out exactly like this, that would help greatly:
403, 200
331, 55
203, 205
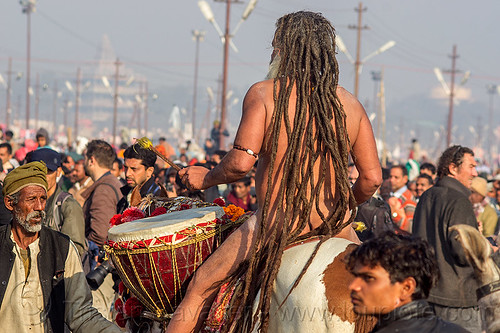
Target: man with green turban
42, 285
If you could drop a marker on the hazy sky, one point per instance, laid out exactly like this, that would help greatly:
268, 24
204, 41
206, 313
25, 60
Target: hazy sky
154, 38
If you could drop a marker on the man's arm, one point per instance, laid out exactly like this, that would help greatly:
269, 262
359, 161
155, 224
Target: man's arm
74, 223
236, 164
80, 315
193, 310
364, 149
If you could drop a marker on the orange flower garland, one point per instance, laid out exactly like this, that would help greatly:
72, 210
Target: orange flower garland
234, 212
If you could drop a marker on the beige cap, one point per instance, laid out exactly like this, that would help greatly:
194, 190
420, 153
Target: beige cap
480, 185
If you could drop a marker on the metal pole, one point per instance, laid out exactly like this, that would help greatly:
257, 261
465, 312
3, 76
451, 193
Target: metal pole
77, 100
146, 106
227, 37
115, 106
138, 106
376, 76
65, 110
28, 65
9, 93
54, 110
37, 99
357, 64
492, 90
198, 36
382, 111
452, 95
17, 116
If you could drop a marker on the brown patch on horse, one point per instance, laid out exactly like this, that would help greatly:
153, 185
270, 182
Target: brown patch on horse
336, 280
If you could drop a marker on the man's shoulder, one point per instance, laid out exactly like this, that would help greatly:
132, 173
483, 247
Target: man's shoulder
261, 90
108, 185
109, 180
68, 201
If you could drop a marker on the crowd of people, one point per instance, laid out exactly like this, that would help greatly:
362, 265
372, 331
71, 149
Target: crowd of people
410, 272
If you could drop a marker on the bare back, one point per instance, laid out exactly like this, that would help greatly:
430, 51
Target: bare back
258, 110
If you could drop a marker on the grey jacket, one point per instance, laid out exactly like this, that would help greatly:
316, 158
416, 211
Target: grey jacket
66, 217
440, 207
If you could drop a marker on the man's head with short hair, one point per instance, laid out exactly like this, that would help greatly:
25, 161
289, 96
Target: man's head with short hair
147, 157
5, 152
458, 162
99, 156
218, 155
429, 169
9, 135
139, 164
423, 182
102, 152
390, 271
78, 173
117, 168
241, 187
398, 177
67, 163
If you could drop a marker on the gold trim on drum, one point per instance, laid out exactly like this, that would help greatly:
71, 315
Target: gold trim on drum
139, 290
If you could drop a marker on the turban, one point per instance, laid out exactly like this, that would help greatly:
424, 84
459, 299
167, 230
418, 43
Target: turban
33, 173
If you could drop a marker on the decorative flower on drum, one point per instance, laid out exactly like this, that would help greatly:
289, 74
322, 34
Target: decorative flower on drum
185, 206
220, 202
132, 214
115, 220
120, 320
121, 288
133, 307
234, 212
119, 305
159, 211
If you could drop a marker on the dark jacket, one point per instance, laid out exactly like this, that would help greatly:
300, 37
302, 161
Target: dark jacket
100, 205
440, 207
149, 187
54, 248
415, 317
5, 214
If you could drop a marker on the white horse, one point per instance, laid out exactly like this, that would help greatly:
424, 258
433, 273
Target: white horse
478, 252
321, 301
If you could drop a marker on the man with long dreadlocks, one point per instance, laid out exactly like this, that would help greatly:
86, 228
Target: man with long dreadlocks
302, 127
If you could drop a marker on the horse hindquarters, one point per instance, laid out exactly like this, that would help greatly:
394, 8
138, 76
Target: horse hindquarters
321, 300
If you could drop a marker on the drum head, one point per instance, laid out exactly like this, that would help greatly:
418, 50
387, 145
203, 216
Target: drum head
163, 225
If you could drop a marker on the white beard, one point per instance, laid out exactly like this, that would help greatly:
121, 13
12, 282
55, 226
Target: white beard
274, 67
25, 222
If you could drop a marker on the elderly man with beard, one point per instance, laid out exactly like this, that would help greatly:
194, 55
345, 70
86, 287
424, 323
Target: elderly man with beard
43, 287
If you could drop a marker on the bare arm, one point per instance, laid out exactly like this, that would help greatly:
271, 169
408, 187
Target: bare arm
193, 310
364, 149
236, 164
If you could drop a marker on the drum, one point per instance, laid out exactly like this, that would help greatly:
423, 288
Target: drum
156, 256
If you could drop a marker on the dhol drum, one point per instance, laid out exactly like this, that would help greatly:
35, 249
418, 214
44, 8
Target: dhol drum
156, 256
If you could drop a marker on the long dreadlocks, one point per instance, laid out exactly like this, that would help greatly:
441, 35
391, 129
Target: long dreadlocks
306, 42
